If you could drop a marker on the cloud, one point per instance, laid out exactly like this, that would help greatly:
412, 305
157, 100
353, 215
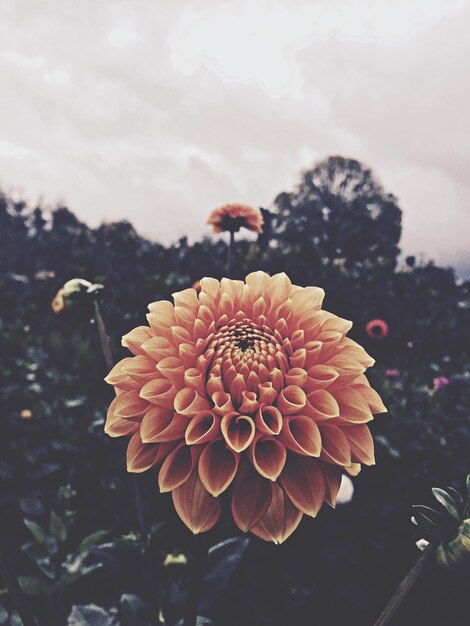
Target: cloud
157, 112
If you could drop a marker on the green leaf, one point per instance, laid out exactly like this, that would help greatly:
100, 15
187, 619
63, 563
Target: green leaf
457, 497
32, 586
447, 502
38, 533
429, 521
57, 527
91, 540
71, 576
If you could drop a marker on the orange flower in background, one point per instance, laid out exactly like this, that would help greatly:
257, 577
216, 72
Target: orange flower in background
248, 392
232, 217
377, 329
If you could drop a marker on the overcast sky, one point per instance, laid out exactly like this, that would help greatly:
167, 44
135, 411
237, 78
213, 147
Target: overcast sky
159, 111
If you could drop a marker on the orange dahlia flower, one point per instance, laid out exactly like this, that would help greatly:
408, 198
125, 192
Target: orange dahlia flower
232, 217
248, 392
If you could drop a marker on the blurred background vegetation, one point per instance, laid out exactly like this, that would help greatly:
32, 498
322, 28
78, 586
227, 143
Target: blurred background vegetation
67, 504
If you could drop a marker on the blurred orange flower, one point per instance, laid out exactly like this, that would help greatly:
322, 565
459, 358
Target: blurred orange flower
247, 391
232, 217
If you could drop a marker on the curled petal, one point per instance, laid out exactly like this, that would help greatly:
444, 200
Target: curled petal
217, 467
133, 341
222, 402
202, 428
237, 388
161, 307
140, 456
304, 482
128, 405
251, 498
336, 324
159, 391
301, 435
291, 399
347, 368
238, 431
141, 368
308, 298
249, 402
280, 520
187, 298
154, 422
172, 368
321, 376
257, 281
211, 286
195, 505
268, 456
174, 431
177, 467
267, 393
361, 443
352, 406
321, 405
189, 402
119, 378
194, 378
371, 397
118, 427
278, 289
296, 376
159, 348
269, 420
335, 446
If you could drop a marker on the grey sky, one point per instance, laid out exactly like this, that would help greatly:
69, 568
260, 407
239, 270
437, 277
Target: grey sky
159, 111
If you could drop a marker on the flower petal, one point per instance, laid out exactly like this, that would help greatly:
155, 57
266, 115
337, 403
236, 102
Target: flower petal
217, 467
251, 498
303, 481
268, 456
280, 520
140, 456
177, 467
195, 505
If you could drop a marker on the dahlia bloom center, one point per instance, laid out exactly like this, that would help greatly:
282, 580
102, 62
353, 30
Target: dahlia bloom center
246, 391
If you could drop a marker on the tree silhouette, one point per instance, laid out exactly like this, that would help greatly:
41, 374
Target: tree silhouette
340, 211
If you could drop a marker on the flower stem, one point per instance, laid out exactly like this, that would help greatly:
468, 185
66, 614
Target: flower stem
405, 586
196, 577
230, 253
16, 593
108, 357
104, 338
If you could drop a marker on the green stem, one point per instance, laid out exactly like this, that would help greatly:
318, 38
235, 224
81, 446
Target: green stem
405, 586
196, 576
14, 589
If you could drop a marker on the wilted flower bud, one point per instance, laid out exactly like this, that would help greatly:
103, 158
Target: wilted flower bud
456, 553
73, 291
448, 527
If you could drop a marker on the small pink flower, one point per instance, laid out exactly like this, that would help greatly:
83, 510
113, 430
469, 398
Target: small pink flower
377, 329
440, 382
392, 373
